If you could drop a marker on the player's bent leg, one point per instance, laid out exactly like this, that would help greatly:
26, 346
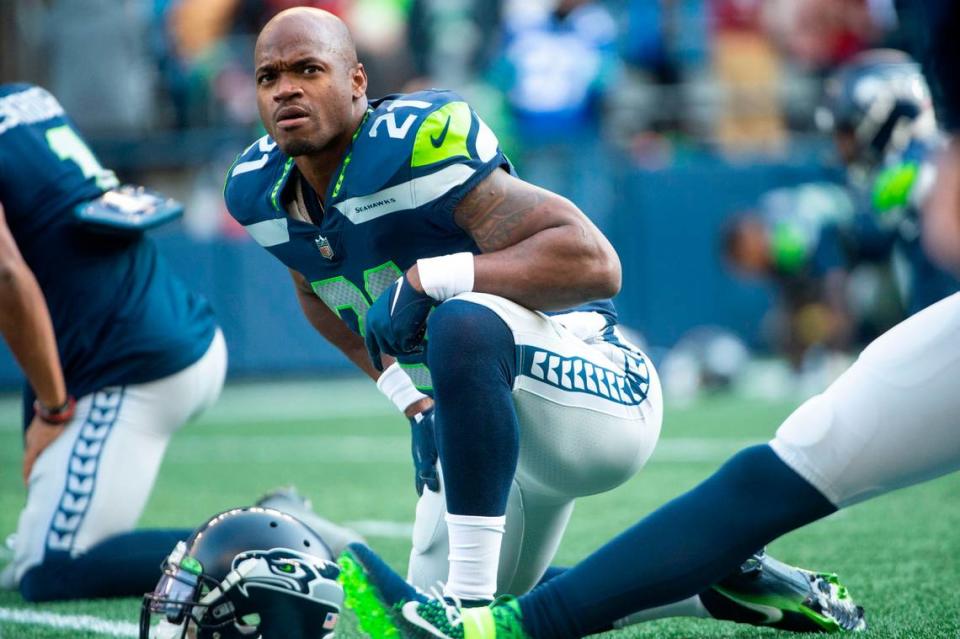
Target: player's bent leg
589, 410
890, 420
533, 531
589, 416
90, 486
535, 527
471, 356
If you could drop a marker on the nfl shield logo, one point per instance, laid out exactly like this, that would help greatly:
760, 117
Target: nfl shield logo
323, 245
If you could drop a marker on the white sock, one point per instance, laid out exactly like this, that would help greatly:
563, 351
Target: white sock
474, 555
691, 607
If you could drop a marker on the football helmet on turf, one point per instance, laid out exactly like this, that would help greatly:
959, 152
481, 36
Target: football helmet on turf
248, 573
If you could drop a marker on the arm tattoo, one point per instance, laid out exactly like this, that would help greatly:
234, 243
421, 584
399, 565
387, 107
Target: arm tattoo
497, 211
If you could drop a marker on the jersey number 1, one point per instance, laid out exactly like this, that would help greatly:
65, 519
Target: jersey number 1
65, 142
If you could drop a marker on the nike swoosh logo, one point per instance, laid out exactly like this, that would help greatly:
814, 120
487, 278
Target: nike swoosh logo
396, 295
411, 614
437, 142
771, 613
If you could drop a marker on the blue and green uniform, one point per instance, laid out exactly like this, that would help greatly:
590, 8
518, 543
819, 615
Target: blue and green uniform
119, 313
897, 190
121, 318
390, 202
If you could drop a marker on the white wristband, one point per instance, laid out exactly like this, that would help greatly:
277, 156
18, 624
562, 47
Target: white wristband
445, 276
398, 387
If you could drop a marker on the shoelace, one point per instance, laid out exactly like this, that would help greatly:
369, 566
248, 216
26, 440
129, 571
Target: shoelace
451, 610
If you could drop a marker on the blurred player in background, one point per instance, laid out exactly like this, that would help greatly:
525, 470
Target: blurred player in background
392, 210
888, 422
799, 239
879, 110
118, 355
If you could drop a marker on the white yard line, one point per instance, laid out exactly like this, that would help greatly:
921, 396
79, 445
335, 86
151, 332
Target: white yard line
69, 622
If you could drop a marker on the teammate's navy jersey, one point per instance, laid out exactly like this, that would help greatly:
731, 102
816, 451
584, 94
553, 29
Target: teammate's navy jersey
119, 314
390, 202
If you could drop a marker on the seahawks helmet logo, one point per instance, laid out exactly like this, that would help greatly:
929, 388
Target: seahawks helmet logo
285, 569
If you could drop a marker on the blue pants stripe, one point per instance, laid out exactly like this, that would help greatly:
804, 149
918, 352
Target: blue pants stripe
83, 468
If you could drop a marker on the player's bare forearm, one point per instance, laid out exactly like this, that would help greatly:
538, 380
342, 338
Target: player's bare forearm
349, 343
332, 328
25, 323
539, 250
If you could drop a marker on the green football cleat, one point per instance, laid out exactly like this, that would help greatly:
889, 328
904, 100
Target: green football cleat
387, 607
767, 592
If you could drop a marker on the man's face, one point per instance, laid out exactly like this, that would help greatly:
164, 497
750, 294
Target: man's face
846, 143
305, 90
751, 250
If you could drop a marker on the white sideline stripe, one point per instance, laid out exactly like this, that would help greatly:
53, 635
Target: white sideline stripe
70, 622
383, 529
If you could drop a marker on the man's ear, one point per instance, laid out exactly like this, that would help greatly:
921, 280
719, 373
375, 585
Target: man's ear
359, 81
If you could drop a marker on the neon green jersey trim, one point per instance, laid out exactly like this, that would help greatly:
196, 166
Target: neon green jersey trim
346, 160
275, 193
443, 135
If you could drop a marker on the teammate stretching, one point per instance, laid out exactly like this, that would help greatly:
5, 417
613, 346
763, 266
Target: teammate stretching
118, 354
390, 210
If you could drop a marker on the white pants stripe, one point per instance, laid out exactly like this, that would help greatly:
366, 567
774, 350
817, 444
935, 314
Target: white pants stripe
103, 408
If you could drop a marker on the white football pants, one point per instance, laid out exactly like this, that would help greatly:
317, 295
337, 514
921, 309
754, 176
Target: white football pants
891, 420
93, 481
590, 412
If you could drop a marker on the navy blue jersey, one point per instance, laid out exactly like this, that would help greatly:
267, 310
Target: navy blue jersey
119, 314
390, 203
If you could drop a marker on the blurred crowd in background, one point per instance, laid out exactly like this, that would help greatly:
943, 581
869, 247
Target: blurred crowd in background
647, 75
576, 90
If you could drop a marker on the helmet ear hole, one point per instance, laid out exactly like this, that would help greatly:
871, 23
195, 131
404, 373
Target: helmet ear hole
273, 524
306, 542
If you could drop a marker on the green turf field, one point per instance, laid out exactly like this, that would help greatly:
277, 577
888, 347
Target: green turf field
339, 442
